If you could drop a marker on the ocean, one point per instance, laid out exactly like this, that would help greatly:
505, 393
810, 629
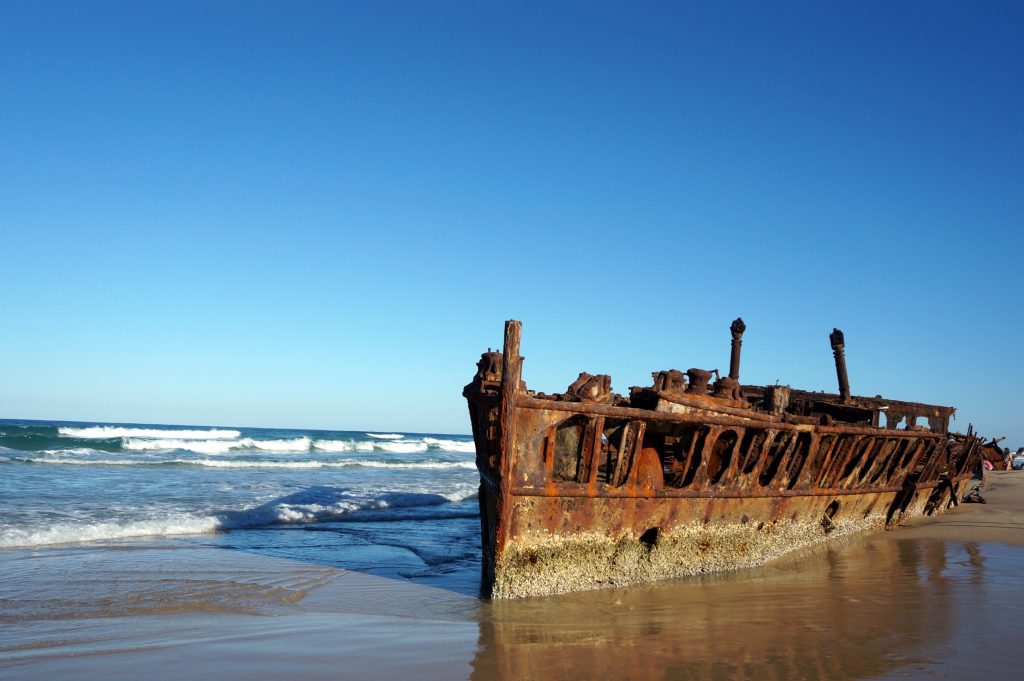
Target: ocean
317, 496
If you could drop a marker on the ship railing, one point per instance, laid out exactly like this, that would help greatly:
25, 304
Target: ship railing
619, 452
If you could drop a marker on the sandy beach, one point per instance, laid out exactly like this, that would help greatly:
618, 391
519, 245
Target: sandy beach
1001, 519
937, 597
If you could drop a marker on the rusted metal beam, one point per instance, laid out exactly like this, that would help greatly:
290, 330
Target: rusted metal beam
631, 412
512, 367
581, 490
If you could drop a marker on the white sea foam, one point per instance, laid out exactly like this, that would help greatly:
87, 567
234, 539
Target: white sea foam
469, 465
386, 436
362, 463
402, 447
222, 463
451, 445
71, 451
307, 506
109, 432
326, 504
199, 446
86, 462
228, 463
299, 444
65, 533
343, 446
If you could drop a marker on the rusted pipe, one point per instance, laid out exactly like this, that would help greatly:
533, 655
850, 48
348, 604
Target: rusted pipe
839, 351
737, 328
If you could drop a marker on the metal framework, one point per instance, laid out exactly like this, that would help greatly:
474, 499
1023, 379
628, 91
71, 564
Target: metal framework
588, 488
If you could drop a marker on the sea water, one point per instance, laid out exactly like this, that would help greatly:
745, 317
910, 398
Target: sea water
394, 503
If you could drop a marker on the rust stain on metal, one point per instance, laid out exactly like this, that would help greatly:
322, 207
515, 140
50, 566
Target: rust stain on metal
694, 473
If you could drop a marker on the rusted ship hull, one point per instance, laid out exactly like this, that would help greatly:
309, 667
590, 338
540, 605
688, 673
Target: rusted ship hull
587, 489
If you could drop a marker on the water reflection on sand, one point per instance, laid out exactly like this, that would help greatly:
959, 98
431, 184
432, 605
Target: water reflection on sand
886, 605
867, 610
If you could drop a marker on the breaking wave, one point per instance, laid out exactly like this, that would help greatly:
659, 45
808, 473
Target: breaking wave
312, 505
67, 533
402, 447
362, 463
198, 446
111, 432
451, 445
343, 446
79, 482
228, 463
299, 444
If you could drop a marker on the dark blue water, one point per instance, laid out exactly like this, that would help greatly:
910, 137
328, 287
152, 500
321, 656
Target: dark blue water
295, 493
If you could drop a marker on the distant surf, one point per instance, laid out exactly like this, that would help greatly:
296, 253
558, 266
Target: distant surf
74, 482
108, 432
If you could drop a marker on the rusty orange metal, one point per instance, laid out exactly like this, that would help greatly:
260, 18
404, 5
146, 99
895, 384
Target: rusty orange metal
587, 488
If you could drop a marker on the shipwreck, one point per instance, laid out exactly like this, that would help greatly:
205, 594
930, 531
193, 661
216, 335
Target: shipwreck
588, 488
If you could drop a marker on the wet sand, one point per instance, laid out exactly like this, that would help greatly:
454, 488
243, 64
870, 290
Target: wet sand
940, 597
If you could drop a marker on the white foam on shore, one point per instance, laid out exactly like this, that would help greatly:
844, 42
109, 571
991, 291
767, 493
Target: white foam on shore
68, 533
386, 436
111, 432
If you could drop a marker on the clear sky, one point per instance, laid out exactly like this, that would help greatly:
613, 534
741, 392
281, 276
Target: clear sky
318, 214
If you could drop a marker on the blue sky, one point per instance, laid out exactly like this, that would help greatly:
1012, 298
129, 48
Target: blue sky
319, 214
